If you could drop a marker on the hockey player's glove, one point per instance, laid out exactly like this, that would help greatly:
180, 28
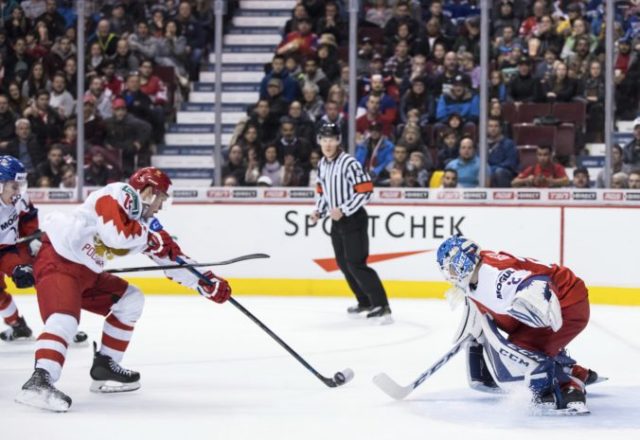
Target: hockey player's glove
161, 245
218, 291
22, 276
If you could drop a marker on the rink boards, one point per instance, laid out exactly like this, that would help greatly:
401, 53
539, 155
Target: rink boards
597, 241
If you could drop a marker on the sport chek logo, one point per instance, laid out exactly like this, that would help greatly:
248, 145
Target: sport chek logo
331, 265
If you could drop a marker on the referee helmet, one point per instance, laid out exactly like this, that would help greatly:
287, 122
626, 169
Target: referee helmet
329, 129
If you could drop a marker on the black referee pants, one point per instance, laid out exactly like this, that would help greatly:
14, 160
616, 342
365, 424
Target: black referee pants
350, 241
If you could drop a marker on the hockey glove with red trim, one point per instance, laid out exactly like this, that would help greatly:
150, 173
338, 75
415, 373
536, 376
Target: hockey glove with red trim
161, 245
217, 291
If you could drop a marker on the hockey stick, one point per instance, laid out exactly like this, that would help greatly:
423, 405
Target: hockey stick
398, 392
340, 378
33, 236
186, 266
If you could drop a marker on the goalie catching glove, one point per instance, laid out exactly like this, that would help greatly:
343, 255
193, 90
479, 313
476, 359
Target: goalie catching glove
217, 289
536, 304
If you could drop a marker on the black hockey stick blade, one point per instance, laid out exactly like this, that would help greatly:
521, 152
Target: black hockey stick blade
187, 266
33, 236
338, 379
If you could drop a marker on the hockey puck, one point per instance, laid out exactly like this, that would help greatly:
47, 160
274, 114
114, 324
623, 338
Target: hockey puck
80, 337
344, 376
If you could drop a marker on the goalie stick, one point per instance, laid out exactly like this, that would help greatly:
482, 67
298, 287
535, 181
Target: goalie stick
398, 392
186, 266
340, 378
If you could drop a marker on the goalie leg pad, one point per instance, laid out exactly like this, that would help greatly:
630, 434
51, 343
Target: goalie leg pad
478, 374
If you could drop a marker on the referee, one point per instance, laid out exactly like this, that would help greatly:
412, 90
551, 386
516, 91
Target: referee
343, 189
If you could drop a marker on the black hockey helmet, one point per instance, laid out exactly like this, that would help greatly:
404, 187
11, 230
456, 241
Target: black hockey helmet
329, 129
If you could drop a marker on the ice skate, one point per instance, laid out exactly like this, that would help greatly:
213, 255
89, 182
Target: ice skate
39, 392
380, 315
110, 377
585, 375
571, 402
357, 310
19, 331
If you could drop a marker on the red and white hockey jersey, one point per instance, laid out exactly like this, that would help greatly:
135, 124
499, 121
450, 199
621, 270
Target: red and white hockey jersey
500, 275
109, 223
17, 221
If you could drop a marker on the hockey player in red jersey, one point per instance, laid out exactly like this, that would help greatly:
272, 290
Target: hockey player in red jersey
18, 218
115, 220
540, 307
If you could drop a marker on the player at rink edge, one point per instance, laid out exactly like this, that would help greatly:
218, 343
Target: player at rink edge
116, 220
540, 307
19, 219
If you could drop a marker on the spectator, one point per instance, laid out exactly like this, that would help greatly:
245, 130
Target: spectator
61, 100
17, 102
559, 88
124, 60
379, 13
579, 29
623, 57
448, 148
292, 173
374, 152
37, 80
530, 24
191, 30
388, 105
53, 19
235, 165
581, 178
582, 58
140, 106
290, 144
313, 103
271, 168
620, 181
443, 82
419, 167
152, 86
411, 138
52, 166
313, 74
314, 161
299, 12
61, 50
617, 165
504, 16
470, 41
544, 174
33, 8
71, 73
401, 14
172, 50
95, 59
461, 101
304, 126
399, 65
106, 39
253, 166
142, 43
68, 178
333, 115
126, 135
436, 11
69, 141
523, 87
435, 61
46, 123
278, 107
120, 23
101, 97
301, 42
632, 149
545, 39
331, 23
592, 90
291, 87
467, 164
98, 172
7, 122
372, 115
364, 56
397, 178
503, 156
26, 148
497, 87
415, 98
262, 118
545, 67
634, 179
449, 179
399, 162
17, 26
328, 61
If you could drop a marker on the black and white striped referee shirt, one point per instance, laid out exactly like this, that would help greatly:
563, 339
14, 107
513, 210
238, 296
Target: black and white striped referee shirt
342, 183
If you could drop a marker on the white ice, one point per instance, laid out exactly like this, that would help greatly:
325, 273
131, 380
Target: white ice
209, 372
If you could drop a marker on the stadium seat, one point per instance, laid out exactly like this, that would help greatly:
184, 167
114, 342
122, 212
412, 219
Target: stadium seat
529, 134
529, 111
573, 112
510, 112
527, 155
565, 141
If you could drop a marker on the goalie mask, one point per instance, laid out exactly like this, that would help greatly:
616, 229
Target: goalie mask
13, 179
458, 258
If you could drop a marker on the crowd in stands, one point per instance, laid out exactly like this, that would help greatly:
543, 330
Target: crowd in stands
418, 102
140, 57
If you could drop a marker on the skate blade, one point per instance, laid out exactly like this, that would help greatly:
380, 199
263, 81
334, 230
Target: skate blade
573, 409
478, 386
382, 320
598, 380
40, 401
111, 386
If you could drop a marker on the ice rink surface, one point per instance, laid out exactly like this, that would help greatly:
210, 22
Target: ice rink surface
208, 372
